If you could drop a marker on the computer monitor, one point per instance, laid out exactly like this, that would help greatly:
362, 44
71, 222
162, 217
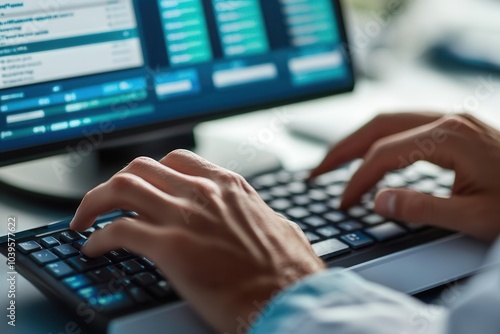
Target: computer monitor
83, 74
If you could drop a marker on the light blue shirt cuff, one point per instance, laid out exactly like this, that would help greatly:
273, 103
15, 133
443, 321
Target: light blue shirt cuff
301, 297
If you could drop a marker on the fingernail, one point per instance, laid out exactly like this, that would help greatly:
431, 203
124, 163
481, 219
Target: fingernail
386, 203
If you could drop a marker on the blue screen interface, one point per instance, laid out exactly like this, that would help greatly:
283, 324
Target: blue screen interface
68, 66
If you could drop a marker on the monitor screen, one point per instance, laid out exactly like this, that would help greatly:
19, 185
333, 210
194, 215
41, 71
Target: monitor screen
122, 67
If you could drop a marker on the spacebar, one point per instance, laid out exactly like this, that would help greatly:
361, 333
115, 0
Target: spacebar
330, 248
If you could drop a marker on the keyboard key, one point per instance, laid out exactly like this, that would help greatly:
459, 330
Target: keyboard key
49, 242
328, 231
145, 279
267, 180
161, 290
88, 232
119, 255
300, 175
425, 186
103, 225
297, 188
335, 190
357, 240
77, 282
411, 175
386, 231
302, 226
83, 263
330, 248
442, 192
373, 219
139, 295
298, 213
69, 236
428, 169
357, 212
312, 237
350, 226
28, 247
446, 179
103, 275
301, 200
334, 203
280, 204
413, 227
283, 177
79, 244
369, 205
65, 251
279, 192
315, 221
318, 208
317, 195
43, 257
395, 181
337, 176
59, 269
132, 266
148, 263
101, 298
335, 217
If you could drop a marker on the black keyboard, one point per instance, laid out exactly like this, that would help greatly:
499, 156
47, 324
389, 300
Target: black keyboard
358, 235
121, 283
113, 285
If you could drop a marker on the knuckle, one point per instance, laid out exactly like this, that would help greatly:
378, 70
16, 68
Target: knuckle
227, 177
89, 194
208, 187
452, 122
140, 163
179, 153
122, 182
459, 124
377, 148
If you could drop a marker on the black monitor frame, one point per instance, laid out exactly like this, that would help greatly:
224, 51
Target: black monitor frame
178, 127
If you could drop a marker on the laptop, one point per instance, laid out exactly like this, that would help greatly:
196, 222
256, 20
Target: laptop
145, 70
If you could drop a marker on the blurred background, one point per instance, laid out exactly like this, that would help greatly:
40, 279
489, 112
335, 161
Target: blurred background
453, 35
409, 55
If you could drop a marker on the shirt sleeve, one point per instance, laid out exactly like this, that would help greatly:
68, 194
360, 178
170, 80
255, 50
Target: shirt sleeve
337, 301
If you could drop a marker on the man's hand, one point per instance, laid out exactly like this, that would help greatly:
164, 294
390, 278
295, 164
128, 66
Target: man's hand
223, 249
460, 142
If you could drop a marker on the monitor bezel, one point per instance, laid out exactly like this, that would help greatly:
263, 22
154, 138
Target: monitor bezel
173, 127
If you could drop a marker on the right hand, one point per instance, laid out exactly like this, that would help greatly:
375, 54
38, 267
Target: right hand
460, 142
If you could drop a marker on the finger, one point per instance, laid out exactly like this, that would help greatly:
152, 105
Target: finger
125, 192
189, 163
161, 176
414, 207
357, 144
128, 233
401, 150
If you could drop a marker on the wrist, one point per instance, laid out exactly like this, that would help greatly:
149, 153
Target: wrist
251, 299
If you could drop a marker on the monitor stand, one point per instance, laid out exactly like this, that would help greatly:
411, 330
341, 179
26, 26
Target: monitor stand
65, 179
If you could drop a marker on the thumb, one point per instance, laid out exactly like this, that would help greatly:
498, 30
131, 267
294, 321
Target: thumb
413, 207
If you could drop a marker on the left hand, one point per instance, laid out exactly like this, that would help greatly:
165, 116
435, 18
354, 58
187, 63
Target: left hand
223, 249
